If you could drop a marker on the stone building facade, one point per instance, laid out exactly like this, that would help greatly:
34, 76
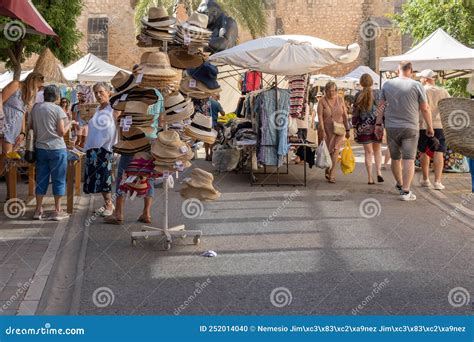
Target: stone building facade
109, 30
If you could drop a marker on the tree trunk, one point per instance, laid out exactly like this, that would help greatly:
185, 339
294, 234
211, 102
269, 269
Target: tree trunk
15, 55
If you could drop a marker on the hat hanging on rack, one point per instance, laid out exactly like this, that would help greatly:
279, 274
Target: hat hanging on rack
201, 129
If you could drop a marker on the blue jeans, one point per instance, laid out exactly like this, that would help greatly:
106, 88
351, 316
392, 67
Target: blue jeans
125, 160
51, 163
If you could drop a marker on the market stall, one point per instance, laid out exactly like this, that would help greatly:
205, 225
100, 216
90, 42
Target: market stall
90, 69
269, 111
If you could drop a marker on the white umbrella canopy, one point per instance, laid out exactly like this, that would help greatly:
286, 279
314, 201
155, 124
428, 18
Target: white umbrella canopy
354, 76
321, 80
287, 55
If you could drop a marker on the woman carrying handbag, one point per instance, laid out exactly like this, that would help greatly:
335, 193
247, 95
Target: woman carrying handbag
333, 125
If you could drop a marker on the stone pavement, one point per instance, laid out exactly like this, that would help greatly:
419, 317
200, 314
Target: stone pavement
27, 254
347, 248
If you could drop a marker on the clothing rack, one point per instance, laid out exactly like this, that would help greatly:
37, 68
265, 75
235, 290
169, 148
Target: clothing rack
169, 233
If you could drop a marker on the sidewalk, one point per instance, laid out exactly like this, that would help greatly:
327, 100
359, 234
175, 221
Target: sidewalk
27, 254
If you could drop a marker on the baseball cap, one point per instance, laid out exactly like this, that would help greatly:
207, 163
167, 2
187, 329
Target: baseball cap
427, 73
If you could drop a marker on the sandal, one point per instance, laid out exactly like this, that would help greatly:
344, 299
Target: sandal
144, 219
113, 220
327, 174
332, 180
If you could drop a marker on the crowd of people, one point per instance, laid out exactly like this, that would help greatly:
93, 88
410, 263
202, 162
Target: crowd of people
404, 109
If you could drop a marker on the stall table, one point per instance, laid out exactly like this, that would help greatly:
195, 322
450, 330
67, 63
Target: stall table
73, 179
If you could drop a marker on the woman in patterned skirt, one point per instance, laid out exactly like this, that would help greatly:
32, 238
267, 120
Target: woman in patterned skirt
100, 140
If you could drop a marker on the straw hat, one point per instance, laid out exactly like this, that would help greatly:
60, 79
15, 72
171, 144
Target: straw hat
132, 145
181, 59
175, 102
158, 17
199, 185
147, 96
201, 129
197, 23
133, 131
136, 107
169, 147
200, 194
156, 64
196, 89
122, 82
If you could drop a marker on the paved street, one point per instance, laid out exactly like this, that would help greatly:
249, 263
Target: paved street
347, 248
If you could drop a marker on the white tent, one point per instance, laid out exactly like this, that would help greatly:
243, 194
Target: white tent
7, 77
287, 55
439, 51
354, 76
320, 80
90, 69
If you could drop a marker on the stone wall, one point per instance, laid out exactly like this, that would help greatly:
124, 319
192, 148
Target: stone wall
338, 21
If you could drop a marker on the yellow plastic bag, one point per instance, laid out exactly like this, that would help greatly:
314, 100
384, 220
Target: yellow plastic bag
347, 159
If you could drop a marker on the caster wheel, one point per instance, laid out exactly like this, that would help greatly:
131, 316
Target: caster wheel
197, 240
167, 246
134, 242
145, 237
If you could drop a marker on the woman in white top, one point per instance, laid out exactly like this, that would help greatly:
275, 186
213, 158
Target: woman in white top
99, 156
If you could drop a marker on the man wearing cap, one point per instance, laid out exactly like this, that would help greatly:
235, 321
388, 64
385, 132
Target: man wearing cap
432, 147
401, 100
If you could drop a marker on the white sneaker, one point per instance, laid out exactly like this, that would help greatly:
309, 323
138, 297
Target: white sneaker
439, 186
408, 197
425, 183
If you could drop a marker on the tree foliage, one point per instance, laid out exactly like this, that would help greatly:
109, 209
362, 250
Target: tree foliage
420, 18
61, 15
248, 13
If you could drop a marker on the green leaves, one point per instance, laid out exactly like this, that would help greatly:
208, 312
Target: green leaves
61, 15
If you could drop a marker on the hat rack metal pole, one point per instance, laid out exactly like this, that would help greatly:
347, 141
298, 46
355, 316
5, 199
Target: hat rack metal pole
166, 230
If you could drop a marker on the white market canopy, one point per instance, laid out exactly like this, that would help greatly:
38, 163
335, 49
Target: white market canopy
286, 55
320, 80
354, 76
439, 51
7, 77
90, 69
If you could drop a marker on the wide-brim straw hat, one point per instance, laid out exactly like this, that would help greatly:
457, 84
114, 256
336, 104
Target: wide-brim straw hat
201, 179
182, 59
147, 96
169, 140
134, 131
156, 64
178, 115
158, 17
167, 154
197, 136
200, 88
189, 37
197, 22
122, 82
190, 192
132, 145
145, 41
158, 34
136, 107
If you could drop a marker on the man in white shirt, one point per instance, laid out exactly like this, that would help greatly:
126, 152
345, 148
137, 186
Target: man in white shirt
432, 147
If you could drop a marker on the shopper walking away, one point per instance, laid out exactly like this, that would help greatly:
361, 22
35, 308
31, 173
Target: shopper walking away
333, 125
432, 147
401, 101
99, 156
364, 117
49, 123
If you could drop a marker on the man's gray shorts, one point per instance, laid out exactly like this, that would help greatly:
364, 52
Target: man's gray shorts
402, 143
